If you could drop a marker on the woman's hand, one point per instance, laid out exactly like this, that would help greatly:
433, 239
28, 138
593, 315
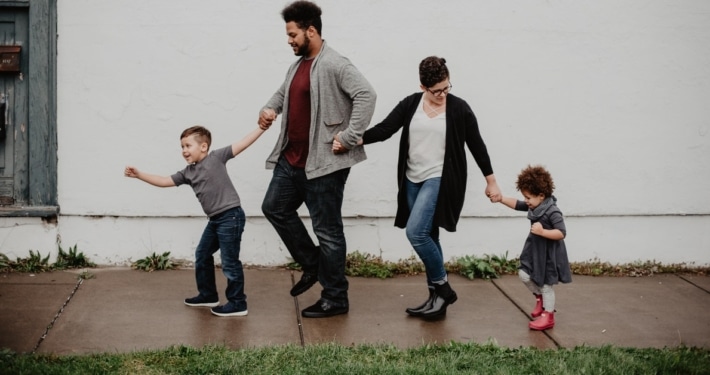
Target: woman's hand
492, 190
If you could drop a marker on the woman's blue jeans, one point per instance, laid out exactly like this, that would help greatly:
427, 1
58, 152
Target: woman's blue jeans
223, 232
424, 238
323, 196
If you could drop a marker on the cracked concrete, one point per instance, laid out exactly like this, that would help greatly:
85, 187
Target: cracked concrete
121, 310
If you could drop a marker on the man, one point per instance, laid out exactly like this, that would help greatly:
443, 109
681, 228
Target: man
323, 95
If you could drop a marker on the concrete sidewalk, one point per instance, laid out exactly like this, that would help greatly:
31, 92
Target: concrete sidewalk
122, 310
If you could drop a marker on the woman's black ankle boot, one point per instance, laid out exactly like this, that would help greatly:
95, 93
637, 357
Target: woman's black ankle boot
417, 311
443, 297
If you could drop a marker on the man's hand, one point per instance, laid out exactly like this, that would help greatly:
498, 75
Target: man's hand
266, 118
338, 147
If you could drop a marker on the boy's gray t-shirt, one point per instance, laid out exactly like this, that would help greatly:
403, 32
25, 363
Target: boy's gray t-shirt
210, 182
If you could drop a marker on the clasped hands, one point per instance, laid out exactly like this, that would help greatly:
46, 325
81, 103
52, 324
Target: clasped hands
338, 147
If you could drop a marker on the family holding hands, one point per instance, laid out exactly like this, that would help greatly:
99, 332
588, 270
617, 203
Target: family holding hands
326, 106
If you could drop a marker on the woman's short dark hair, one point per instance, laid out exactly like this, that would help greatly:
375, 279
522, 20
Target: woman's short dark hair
304, 13
432, 70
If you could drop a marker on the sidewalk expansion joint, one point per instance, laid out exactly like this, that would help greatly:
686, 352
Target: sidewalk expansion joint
299, 320
557, 344
56, 316
693, 284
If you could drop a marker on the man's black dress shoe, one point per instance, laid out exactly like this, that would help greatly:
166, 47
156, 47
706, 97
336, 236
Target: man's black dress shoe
306, 282
323, 309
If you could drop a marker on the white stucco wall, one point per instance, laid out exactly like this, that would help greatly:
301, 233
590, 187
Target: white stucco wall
611, 96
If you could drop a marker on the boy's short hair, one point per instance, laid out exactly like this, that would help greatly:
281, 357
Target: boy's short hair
535, 179
200, 132
432, 70
304, 13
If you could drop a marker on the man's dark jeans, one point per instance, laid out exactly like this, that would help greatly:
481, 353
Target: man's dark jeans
223, 232
323, 196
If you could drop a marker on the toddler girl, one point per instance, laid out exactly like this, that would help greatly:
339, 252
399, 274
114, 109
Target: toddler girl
543, 261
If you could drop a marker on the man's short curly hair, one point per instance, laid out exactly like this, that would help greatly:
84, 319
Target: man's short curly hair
200, 132
535, 180
432, 70
305, 14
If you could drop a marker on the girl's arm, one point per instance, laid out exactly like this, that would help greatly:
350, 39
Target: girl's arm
155, 180
550, 234
508, 201
241, 145
558, 230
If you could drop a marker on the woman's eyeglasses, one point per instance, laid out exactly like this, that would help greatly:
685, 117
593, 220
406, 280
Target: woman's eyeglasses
441, 91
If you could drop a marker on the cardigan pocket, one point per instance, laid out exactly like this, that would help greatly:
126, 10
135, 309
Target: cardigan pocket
333, 122
332, 128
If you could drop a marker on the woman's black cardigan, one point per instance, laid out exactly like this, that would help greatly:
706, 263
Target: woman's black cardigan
461, 127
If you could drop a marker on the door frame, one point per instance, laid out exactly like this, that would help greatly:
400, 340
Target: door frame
42, 110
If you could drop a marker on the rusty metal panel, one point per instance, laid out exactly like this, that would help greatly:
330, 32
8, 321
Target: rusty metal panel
10, 59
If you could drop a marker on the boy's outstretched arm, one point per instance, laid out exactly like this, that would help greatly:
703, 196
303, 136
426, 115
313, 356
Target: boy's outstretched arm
159, 181
241, 145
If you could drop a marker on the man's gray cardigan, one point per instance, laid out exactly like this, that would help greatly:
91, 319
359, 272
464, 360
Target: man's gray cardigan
341, 101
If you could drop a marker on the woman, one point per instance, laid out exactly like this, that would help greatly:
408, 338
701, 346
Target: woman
432, 171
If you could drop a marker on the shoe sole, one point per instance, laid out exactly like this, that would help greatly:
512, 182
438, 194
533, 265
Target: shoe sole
204, 304
541, 328
237, 313
297, 292
438, 315
415, 313
323, 315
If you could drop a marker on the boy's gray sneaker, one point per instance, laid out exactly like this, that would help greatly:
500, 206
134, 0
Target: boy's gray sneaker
202, 301
229, 310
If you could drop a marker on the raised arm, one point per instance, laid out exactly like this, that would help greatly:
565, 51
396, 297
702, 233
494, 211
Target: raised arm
155, 180
241, 145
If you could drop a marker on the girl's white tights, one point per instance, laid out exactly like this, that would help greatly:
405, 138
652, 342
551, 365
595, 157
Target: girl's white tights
548, 294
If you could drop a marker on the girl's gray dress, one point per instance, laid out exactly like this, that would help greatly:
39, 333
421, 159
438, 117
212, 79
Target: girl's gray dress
543, 259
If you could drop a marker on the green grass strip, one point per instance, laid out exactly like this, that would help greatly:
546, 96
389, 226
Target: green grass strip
453, 358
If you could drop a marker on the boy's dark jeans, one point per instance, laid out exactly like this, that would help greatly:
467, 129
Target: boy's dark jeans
323, 196
223, 232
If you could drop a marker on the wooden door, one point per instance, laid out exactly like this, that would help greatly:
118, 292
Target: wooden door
14, 150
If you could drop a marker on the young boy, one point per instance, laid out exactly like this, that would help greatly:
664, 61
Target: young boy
207, 174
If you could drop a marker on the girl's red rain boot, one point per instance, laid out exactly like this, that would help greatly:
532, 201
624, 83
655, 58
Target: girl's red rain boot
538, 306
545, 321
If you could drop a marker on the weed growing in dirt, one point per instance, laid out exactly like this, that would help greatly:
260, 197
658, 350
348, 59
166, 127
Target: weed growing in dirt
155, 262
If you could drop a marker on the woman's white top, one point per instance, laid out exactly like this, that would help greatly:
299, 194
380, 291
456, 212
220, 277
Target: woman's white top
427, 141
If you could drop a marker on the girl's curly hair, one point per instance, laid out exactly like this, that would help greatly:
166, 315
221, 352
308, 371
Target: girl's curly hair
535, 180
432, 70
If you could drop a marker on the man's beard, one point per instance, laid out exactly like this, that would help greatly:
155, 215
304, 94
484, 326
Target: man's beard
303, 49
